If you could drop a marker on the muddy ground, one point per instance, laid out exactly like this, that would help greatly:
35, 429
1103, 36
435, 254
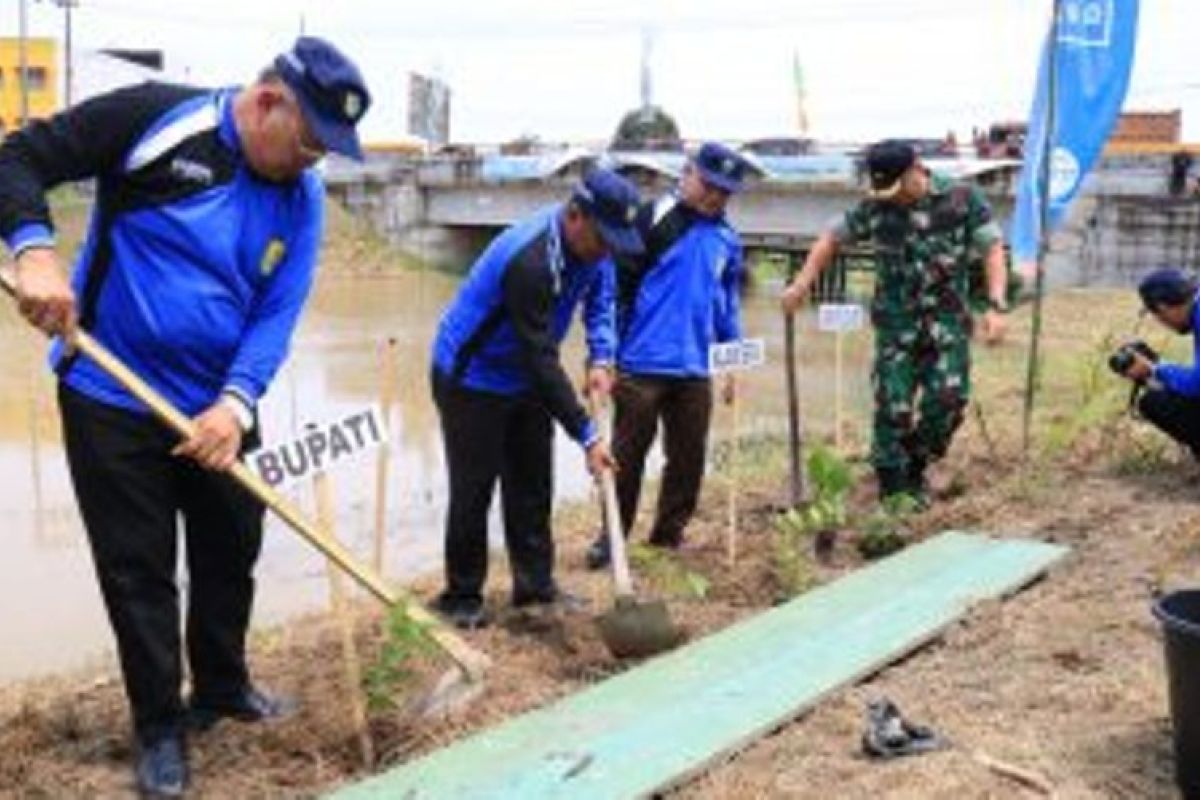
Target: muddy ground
1062, 683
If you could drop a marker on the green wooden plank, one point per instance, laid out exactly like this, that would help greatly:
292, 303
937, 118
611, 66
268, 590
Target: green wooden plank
655, 725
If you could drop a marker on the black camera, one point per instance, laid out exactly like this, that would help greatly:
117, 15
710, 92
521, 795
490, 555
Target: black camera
1122, 359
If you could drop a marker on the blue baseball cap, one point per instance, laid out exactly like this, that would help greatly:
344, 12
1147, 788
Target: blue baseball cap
331, 92
1166, 286
612, 202
721, 166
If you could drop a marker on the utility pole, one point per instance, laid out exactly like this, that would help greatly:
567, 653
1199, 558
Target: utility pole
68, 57
23, 60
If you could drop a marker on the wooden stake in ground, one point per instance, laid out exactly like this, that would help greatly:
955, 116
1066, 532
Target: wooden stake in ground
35, 446
837, 391
838, 318
326, 517
732, 535
387, 394
727, 359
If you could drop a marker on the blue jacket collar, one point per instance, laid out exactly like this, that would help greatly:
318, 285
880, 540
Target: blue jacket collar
227, 129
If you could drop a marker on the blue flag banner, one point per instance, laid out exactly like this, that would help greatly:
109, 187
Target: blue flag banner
1091, 49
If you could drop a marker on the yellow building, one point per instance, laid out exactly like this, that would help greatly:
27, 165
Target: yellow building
41, 63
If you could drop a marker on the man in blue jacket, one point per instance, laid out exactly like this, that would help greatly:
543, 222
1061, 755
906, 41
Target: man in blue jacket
673, 303
1171, 400
199, 258
498, 381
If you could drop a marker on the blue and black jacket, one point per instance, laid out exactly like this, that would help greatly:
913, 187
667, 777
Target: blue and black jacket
194, 270
1180, 378
502, 332
683, 296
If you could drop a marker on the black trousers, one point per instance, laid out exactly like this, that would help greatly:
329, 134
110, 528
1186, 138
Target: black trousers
490, 437
131, 492
685, 407
1173, 414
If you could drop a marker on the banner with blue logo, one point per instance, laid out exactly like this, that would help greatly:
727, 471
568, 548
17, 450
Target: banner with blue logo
1091, 48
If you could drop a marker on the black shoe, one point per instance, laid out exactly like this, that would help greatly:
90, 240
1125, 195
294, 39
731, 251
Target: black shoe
598, 555
666, 542
465, 613
161, 768
892, 483
918, 486
251, 706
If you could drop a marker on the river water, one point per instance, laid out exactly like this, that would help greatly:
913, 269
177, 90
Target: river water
51, 617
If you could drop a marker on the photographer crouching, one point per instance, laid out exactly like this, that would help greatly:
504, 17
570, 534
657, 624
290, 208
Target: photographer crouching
1170, 399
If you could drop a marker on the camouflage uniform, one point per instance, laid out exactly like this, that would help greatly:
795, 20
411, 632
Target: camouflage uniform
922, 318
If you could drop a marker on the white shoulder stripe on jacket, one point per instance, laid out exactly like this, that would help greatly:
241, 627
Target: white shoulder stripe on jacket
204, 117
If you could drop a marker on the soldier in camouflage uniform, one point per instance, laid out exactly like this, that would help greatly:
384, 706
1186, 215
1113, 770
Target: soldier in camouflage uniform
925, 230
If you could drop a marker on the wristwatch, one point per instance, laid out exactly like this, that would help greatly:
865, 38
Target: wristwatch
999, 306
241, 412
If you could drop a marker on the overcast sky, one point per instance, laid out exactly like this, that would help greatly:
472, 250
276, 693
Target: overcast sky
568, 69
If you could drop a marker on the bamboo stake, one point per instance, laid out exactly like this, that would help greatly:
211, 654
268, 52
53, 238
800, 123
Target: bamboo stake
732, 535
387, 395
837, 391
326, 518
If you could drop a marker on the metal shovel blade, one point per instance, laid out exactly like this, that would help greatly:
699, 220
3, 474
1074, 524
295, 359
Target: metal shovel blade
638, 630
452, 691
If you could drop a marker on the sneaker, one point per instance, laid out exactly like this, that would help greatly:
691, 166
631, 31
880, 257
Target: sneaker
889, 734
252, 706
161, 769
467, 614
598, 556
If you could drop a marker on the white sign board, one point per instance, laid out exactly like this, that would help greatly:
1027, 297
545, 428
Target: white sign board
839, 317
320, 447
739, 355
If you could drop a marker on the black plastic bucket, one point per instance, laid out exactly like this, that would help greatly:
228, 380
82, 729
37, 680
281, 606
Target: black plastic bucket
1179, 614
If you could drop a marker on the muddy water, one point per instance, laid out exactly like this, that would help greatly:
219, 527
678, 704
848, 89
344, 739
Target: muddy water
51, 617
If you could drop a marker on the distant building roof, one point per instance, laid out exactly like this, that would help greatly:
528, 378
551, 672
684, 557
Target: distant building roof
1160, 127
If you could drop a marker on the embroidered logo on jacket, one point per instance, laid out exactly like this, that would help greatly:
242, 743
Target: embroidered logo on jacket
271, 257
193, 171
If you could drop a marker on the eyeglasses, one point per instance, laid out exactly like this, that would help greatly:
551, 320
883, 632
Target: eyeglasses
309, 149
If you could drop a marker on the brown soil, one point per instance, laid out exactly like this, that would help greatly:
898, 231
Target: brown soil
1065, 680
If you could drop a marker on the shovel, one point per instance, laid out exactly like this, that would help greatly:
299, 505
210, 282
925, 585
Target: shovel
450, 691
631, 629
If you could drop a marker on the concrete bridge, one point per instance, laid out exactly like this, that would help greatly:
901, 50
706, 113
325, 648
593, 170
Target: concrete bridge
445, 210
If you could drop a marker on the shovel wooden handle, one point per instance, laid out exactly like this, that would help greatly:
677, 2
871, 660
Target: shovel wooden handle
622, 580
799, 487
473, 662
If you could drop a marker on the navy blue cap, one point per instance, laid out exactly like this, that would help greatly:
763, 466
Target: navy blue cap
886, 162
1166, 286
331, 91
721, 166
612, 202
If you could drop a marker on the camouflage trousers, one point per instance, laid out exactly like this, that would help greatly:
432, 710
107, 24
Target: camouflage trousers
934, 361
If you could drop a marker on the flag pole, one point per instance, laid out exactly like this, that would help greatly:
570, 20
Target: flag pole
1044, 169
